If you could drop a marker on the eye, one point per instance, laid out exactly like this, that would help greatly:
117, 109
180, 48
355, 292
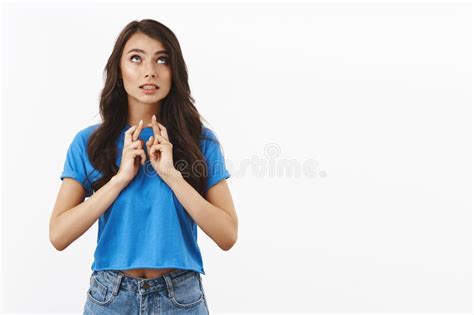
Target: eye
166, 59
131, 58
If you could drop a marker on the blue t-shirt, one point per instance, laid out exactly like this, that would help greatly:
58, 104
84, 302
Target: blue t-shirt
146, 226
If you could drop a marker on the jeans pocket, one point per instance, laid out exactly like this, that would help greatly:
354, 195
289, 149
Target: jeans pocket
186, 291
203, 292
99, 291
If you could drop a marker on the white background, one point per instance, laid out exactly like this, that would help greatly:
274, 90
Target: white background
376, 94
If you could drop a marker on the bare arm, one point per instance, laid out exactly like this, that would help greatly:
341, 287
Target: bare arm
215, 215
72, 216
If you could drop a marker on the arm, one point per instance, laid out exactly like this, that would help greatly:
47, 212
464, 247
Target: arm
72, 216
216, 216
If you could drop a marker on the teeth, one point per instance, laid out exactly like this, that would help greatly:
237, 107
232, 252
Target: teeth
149, 87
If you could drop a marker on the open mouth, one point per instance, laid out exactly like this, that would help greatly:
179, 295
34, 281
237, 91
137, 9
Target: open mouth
149, 86
149, 89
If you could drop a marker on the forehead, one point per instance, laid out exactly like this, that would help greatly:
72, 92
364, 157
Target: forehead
144, 42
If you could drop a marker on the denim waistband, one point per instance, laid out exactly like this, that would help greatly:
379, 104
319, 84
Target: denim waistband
118, 280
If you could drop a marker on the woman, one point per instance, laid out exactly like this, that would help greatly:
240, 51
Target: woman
152, 171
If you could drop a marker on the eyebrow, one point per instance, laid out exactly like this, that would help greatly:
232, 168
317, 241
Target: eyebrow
143, 52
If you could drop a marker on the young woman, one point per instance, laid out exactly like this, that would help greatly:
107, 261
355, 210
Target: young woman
151, 172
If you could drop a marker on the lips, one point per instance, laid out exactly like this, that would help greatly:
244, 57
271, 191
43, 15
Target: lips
152, 85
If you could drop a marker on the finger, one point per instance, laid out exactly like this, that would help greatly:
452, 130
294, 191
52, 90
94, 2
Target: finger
131, 153
128, 135
156, 148
156, 128
137, 131
143, 157
162, 139
164, 132
159, 147
135, 154
132, 145
138, 152
151, 155
149, 142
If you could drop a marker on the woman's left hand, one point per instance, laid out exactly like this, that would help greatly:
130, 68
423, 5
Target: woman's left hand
160, 150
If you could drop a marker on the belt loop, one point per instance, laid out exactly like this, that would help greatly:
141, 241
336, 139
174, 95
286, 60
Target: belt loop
118, 280
169, 285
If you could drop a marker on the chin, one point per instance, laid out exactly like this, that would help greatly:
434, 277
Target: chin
153, 100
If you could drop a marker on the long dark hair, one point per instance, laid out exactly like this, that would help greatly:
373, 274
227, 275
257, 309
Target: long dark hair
177, 111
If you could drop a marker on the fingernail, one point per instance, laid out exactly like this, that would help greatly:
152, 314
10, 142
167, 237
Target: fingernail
154, 117
141, 121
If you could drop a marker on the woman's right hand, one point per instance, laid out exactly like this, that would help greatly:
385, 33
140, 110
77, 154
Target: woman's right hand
132, 154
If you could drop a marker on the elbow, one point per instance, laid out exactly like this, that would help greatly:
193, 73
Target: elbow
55, 242
227, 246
229, 243
56, 245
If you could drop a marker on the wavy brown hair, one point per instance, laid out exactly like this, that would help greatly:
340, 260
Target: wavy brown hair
177, 111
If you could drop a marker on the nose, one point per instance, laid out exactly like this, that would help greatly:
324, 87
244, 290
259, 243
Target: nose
150, 70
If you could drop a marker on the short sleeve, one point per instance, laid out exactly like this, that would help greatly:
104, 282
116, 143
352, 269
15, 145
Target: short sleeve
214, 155
75, 164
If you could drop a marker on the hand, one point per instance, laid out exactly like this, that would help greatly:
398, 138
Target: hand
132, 154
160, 150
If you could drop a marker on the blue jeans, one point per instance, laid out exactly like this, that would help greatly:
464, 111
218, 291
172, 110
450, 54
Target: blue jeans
177, 292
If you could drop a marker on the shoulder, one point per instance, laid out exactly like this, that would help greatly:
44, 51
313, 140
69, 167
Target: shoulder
210, 142
208, 138
86, 132
208, 135
81, 136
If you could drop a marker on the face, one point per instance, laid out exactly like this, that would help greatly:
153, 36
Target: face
145, 60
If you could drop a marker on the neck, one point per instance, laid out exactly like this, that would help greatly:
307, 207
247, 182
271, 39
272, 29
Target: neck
142, 111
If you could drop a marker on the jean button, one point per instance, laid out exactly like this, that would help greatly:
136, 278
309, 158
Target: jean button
146, 285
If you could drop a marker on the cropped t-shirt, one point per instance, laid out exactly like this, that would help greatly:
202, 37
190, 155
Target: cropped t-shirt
146, 226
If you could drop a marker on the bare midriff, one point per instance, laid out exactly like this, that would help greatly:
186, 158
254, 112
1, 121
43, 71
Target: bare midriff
146, 273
